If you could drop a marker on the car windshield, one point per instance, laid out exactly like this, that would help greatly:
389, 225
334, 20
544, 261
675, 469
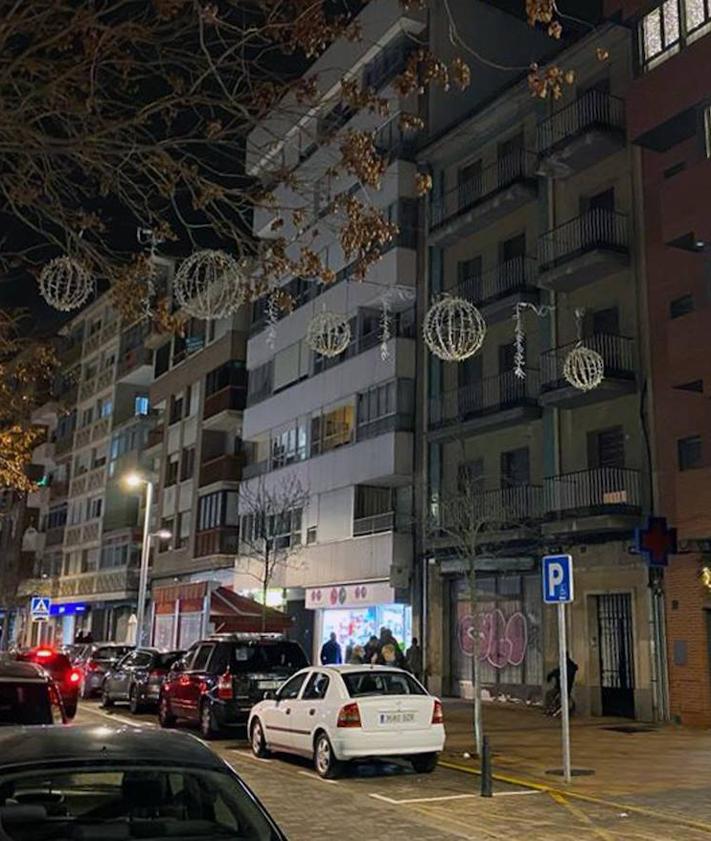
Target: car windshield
360, 684
283, 656
111, 652
128, 802
165, 661
25, 703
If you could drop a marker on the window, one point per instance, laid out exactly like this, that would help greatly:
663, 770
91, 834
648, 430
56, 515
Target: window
363, 683
690, 452
316, 688
373, 502
176, 409
188, 400
337, 428
187, 463
95, 327
470, 477
291, 365
104, 408
56, 517
681, 306
94, 507
659, 34
141, 405
201, 658
98, 457
182, 535
606, 448
87, 417
231, 373
291, 688
259, 383
171, 469
290, 444
697, 15
515, 469
469, 180
217, 509
162, 360
166, 524
385, 408
283, 529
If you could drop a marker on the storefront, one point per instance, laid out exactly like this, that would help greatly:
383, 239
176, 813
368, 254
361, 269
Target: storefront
355, 612
68, 620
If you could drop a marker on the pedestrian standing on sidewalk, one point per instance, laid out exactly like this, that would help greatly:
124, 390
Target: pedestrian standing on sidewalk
414, 659
357, 657
331, 652
372, 650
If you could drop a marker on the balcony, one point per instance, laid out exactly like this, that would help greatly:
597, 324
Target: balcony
495, 292
474, 204
220, 541
64, 445
218, 408
87, 389
492, 403
224, 468
99, 583
70, 354
374, 524
618, 352
92, 343
155, 437
54, 536
582, 133
583, 250
100, 429
608, 495
58, 490
136, 366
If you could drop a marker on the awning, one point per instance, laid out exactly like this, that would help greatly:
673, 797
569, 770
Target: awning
232, 613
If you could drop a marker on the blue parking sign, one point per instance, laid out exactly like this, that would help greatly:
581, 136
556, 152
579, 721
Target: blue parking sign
557, 574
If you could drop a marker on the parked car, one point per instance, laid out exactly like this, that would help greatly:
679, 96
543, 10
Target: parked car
122, 782
335, 714
137, 678
66, 677
98, 659
220, 679
75, 651
28, 695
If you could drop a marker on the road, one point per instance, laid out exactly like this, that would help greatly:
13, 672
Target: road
386, 800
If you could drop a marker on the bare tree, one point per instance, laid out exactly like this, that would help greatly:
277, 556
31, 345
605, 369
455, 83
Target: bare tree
270, 534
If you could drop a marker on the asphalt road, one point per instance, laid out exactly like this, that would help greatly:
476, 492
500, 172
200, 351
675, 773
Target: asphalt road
390, 801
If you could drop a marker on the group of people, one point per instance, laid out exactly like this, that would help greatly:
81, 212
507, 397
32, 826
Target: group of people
383, 651
83, 638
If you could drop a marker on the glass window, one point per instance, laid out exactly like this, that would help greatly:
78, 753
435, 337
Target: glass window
201, 658
141, 405
690, 452
360, 684
171, 469
291, 688
659, 34
187, 463
317, 687
25, 703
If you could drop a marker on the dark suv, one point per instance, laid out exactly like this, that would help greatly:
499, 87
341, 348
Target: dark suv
219, 680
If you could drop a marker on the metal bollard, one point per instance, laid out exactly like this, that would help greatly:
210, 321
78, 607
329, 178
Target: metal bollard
486, 783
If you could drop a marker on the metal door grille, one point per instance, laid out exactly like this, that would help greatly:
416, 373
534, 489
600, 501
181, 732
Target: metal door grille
616, 654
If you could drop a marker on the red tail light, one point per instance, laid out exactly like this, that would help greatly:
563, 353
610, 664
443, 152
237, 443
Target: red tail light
92, 666
349, 716
156, 673
44, 653
437, 713
74, 676
224, 687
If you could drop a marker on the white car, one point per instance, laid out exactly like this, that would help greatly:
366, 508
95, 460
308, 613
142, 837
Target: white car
339, 713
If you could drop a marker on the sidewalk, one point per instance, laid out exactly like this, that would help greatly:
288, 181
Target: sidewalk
526, 744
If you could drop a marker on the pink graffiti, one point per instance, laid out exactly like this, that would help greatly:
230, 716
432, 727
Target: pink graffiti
502, 642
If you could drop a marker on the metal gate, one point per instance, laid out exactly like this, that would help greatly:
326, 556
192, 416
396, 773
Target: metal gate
614, 617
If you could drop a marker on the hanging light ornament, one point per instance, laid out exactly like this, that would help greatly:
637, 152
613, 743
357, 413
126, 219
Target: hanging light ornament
328, 333
65, 283
584, 368
272, 318
454, 329
209, 285
385, 329
520, 336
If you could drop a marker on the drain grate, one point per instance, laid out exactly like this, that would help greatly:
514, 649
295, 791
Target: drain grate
630, 728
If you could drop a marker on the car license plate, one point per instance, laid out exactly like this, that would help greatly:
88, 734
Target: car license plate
396, 718
269, 684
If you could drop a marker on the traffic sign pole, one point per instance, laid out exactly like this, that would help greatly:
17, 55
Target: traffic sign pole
564, 701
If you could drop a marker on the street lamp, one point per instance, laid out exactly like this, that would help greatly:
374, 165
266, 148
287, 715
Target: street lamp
135, 480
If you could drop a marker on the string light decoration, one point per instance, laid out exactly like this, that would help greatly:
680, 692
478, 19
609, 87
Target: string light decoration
454, 329
520, 336
385, 329
65, 283
272, 317
328, 333
584, 368
208, 285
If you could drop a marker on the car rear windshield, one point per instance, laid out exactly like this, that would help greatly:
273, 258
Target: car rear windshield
25, 703
165, 661
282, 656
111, 652
360, 684
129, 802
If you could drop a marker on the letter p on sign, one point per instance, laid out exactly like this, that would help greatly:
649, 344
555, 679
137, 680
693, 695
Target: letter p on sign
557, 579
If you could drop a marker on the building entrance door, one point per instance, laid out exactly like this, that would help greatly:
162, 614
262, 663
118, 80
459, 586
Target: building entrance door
614, 616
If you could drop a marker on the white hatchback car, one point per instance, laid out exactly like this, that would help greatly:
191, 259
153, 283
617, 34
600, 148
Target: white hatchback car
339, 713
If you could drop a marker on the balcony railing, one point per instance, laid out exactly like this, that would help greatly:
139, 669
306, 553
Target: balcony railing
57, 490
487, 396
96, 583
231, 398
224, 468
616, 351
515, 167
374, 524
155, 437
133, 359
55, 536
595, 491
220, 541
515, 275
593, 110
595, 229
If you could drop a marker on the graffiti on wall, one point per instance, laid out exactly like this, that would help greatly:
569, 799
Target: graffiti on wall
502, 641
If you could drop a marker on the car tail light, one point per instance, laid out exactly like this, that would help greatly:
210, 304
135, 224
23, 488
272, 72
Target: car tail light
156, 674
437, 713
44, 653
74, 676
349, 716
224, 687
92, 666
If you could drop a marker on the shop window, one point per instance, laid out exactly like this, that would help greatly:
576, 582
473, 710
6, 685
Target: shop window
690, 452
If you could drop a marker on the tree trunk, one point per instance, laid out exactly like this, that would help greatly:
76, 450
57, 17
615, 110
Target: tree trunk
476, 666
265, 587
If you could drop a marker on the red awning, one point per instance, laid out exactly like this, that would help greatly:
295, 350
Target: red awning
232, 613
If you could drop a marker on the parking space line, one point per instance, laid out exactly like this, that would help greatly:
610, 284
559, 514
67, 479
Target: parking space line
515, 793
247, 754
112, 717
407, 800
316, 777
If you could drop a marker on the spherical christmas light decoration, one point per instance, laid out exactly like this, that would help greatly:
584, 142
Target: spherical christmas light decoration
65, 283
454, 329
329, 333
208, 285
584, 368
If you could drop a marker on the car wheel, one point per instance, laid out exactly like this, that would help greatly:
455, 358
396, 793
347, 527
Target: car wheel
106, 700
134, 704
424, 763
71, 709
325, 762
257, 740
165, 716
208, 729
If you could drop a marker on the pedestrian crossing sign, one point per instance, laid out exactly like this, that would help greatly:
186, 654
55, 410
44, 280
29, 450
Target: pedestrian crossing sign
39, 608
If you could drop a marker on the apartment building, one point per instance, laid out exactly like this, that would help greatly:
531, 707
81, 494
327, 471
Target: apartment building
342, 426
534, 204
669, 123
